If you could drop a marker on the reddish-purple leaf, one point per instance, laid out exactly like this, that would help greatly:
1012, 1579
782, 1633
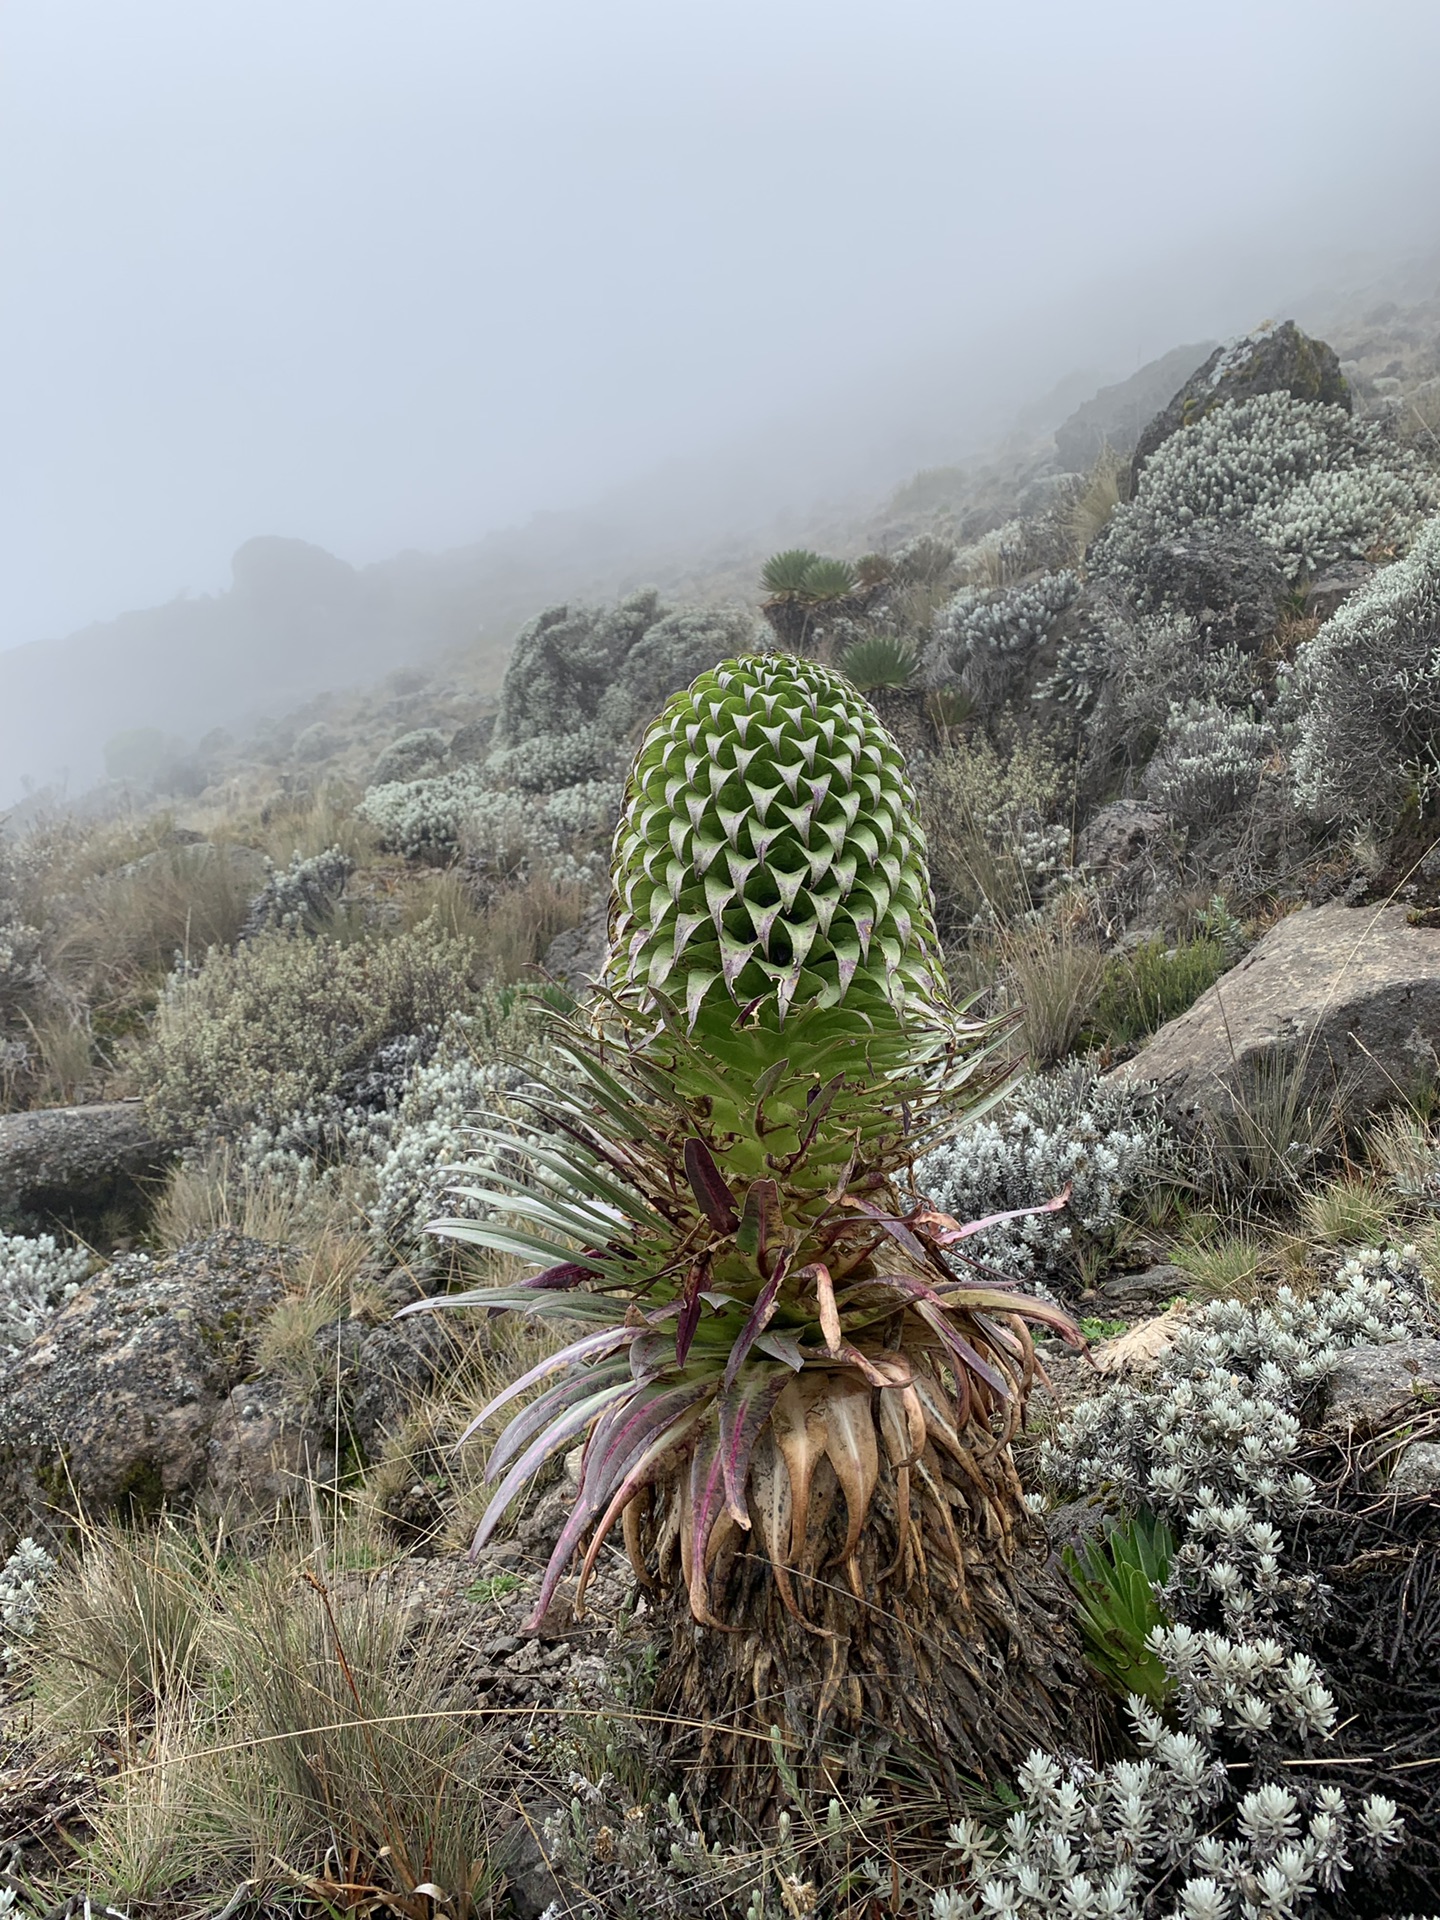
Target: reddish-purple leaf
819, 1101
689, 1312
650, 1355
645, 1466
897, 1229
761, 1314
953, 1230
825, 1305
550, 1441
934, 1316
707, 1499
985, 1299
638, 1447
568, 1274
707, 1183
758, 1220
744, 1409
566, 1393
865, 1364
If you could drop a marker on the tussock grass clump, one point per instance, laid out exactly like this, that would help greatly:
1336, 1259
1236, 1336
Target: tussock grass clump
1352, 1210
1055, 970
278, 1728
1270, 1131
122, 1635
1142, 990
1224, 1266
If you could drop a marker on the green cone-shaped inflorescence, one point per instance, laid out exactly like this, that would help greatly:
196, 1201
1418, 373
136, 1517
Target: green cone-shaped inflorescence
772, 905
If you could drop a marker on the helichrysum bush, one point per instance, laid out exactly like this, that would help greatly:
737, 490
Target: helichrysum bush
472, 1079
1208, 765
1209, 1439
280, 1025
1367, 693
985, 640
1066, 1129
503, 829
547, 762
24, 977
297, 898
1179, 1834
1314, 484
564, 662
412, 757
22, 1581
1163, 1837
37, 1275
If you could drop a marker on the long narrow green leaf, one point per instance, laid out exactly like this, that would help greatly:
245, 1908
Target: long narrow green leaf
590, 1172
502, 1239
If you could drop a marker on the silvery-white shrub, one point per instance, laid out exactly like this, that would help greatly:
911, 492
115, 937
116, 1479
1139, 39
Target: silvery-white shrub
1165, 1836
1208, 764
564, 662
433, 1132
412, 757
1367, 695
548, 761
37, 1275
22, 961
1065, 1128
22, 1580
1314, 484
296, 898
420, 817
1210, 1438
668, 656
984, 640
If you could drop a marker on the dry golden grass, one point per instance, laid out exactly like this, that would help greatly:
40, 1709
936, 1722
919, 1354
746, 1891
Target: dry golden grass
118, 937
522, 921
1053, 969
1102, 493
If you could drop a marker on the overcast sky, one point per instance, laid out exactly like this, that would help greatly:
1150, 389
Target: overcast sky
388, 275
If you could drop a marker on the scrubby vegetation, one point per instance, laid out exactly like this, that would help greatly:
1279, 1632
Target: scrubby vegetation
746, 990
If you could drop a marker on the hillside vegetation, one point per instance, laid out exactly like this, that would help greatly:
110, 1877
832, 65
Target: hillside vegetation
1068, 1582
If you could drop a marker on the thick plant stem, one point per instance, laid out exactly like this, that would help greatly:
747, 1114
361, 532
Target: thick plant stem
937, 1656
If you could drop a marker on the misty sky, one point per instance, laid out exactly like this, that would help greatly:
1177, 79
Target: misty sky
388, 275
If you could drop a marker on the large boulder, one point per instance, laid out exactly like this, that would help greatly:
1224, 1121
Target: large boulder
1272, 359
1119, 834
113, 1408
1226, 579
1375, 1386
76, 1163
266, 1447
1351, 996
1116, 416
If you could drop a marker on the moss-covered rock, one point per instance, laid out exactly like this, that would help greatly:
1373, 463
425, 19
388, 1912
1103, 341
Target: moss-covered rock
1275, 358
111, 1409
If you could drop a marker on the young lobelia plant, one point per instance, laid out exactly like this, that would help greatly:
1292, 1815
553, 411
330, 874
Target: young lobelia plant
795, 1406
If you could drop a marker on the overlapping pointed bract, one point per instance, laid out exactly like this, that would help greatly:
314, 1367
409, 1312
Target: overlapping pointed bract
772, 923
771, 849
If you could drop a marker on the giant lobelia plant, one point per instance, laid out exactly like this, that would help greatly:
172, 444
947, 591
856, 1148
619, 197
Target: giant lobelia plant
795, 1395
